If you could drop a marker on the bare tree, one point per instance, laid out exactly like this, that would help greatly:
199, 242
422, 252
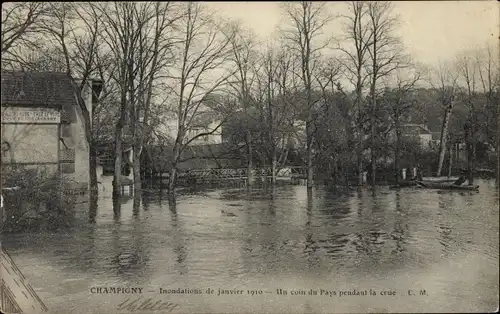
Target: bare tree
444, 80
467, 77
308, 20
488, 68
244, 56
121, 36
385, 52
328, 79
20, 21
153, 56
277, 104
399, 101
354, 64
203, 69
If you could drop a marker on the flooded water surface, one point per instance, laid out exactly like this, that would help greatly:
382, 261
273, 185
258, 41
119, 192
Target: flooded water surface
256, 248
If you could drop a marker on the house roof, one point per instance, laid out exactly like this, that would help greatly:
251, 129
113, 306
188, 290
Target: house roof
204, 118
44, 89
415, 129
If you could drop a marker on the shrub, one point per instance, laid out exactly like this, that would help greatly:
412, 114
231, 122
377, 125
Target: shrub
34, 199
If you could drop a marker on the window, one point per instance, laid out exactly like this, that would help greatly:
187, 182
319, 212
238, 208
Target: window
68, 167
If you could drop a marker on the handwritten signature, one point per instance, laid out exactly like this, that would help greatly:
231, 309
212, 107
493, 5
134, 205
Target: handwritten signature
149, 304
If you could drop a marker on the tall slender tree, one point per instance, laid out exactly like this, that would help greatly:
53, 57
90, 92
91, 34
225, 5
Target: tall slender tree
385, 54
244, 56
304, 38
444, 80
354, 45
203, 69
467, 78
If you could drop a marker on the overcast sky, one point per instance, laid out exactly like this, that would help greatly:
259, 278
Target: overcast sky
431, 30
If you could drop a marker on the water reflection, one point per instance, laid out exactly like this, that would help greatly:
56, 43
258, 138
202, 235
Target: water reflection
146, 199
400, 228
93, 204
137, 202
130, 251
178, 237
216, 235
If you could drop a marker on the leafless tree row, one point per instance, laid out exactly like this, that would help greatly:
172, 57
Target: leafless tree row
170, 65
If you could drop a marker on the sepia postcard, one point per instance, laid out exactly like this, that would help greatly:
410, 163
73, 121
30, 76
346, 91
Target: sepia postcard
250, 157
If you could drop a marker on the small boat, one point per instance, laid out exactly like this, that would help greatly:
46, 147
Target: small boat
442, 179
447, 186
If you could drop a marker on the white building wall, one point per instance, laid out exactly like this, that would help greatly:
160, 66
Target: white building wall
169, 128
425, 140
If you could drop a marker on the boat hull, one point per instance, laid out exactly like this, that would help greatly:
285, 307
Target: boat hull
447, 186
440, 179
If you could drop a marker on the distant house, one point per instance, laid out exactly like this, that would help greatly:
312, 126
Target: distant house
43, 125
419, 132
436, 138
206, 121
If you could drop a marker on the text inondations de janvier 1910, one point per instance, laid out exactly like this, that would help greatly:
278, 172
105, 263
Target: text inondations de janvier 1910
241, 292
219, 291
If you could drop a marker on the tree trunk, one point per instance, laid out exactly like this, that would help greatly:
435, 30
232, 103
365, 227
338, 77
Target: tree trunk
172, 178
94, 191
334, 173
249, 158
360, 161
309, 155
397, 149
470, 157
372, 136
273, 168
118, 162
136, 165
450, 160
473, 155
444, 135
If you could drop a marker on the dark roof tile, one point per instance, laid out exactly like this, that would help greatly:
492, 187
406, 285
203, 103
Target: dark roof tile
47, 89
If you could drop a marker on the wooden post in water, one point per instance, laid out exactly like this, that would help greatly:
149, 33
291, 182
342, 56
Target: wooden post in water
450, 158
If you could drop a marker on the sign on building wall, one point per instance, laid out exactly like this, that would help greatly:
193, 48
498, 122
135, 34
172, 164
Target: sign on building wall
30, 115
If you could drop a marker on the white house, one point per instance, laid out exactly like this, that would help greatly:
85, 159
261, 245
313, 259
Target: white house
417, 131
202, 122
43, 125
